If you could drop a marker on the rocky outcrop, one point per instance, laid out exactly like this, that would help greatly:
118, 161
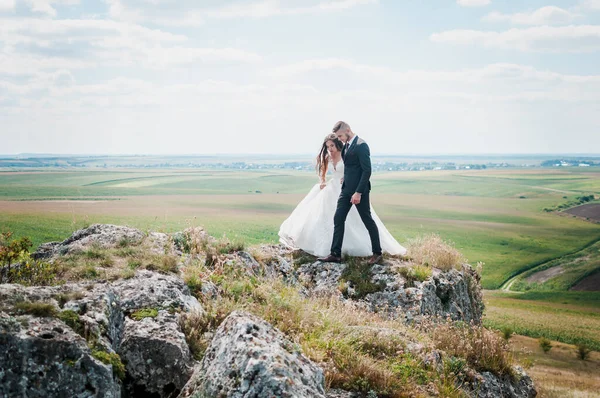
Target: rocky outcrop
103, 235
249, 358
153, 349
43, 357
518, 385
157, 357
454, 294
138, 320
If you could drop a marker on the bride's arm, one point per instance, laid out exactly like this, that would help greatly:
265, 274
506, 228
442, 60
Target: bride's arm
323, 183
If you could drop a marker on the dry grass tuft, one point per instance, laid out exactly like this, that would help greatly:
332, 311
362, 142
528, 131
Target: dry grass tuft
482, 348
347, 341
431, 250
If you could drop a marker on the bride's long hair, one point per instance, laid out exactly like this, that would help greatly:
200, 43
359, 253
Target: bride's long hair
323, 156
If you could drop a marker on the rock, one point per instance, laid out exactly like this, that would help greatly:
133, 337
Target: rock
153, 290
104, 235
336, 393
47, 359
518, 386
161, 243
158, 360
249, 358
249, 263
154, 350
157, 357
455, 294
321, 279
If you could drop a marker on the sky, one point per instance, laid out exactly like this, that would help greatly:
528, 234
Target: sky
273, 76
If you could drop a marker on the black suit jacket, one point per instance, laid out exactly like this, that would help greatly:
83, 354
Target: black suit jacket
357, 167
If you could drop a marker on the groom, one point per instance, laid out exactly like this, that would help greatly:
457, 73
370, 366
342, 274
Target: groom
355, 191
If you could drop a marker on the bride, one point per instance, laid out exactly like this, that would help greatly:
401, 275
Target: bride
310, 226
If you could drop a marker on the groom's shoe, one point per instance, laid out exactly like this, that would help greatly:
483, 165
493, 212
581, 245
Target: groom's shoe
330, 259
375, 259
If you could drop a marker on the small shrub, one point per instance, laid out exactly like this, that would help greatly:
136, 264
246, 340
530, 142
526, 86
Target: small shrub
507, 332
454, 366
134, 264
358, 273
431, 250
545, 344
17, 266
169, 264
36, 308
194, 283
94, 253
583, 351
415, 273
225, 246
71, 318
144, 313
11, 250
127, 273
88, 272
111, 359
124, 242
482, 348
107, 262
192, 240
127, 252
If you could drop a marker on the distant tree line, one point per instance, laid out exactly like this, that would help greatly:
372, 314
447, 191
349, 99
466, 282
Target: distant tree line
570, 162
579, 200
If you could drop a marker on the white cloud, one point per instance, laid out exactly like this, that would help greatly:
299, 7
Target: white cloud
592, 4
567, 39
194, 15
494, 82
473, 3
45, 6
101, 42
7, 5
549, 15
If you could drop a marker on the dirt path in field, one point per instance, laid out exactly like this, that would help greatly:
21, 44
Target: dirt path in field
543, 276
591, 211
548, 273
173, 205
588, 284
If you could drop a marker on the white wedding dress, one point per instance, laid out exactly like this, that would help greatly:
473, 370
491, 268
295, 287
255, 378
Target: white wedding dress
310, 226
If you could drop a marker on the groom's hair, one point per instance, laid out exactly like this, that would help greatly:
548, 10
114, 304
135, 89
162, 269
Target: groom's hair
340, 126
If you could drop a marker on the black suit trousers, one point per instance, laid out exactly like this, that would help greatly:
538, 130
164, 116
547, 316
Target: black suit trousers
339, 221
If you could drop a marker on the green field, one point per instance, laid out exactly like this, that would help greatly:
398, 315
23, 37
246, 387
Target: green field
569, 317
493, 216
562, 273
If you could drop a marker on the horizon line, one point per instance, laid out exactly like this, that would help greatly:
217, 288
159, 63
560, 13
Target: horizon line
41, 154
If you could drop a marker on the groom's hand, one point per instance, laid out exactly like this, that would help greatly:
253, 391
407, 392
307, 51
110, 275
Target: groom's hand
355, 199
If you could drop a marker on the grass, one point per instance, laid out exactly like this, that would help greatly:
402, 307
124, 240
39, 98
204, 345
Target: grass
36, 308
558, 373
71, 318
415, 273
358, 275
575, 267
431, 250
112, 359
480, 211
574, 322
359, 350
144, 313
